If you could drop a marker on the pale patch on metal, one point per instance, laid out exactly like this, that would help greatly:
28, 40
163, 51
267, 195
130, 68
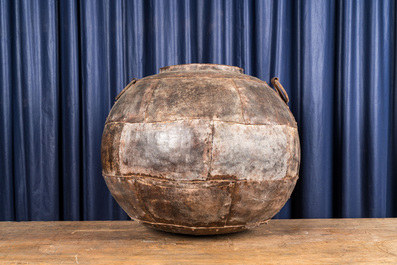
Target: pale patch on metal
294, 151
173, 150
251, 152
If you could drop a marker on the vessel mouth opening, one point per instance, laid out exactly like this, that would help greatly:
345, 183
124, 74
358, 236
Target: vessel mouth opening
201, 67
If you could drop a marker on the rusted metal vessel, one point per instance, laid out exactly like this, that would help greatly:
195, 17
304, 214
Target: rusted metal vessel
201, 149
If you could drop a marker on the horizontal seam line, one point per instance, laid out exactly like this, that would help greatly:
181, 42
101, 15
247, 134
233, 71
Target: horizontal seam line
189, 119
130, 175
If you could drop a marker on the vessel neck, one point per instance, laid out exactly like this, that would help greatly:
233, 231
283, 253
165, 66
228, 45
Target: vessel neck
201, 67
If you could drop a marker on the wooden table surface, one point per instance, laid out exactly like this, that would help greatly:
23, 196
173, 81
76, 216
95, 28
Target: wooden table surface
319, 241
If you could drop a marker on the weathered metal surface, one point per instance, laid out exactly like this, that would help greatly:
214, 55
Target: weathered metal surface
179, 150
200, 149
262, 104
257, 201
220, 204
131, 106
189, 98
251, 152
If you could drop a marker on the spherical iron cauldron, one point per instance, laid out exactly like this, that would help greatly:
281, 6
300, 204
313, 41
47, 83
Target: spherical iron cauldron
201, 149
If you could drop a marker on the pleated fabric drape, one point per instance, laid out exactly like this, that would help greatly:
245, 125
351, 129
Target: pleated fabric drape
63, 63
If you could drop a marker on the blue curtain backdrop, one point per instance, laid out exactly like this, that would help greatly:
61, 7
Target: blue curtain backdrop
63, 63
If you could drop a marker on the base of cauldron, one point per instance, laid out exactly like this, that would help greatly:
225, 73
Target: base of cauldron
196, 231
199, 231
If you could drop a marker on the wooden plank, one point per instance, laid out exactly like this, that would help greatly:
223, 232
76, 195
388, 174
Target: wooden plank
320, 241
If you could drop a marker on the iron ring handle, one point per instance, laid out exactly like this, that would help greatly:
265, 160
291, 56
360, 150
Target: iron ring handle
280, 90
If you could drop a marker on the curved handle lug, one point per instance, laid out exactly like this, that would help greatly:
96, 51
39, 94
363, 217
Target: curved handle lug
280, 90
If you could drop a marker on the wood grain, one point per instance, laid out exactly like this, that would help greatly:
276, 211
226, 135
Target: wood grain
320, 241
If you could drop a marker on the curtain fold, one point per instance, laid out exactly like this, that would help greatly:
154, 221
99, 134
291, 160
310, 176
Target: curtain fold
7, 204
64, 61
70, 120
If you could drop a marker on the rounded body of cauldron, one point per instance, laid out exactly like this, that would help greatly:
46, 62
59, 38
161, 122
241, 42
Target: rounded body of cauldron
200, 149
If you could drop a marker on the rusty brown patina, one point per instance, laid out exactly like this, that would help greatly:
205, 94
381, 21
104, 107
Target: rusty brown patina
200, 149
